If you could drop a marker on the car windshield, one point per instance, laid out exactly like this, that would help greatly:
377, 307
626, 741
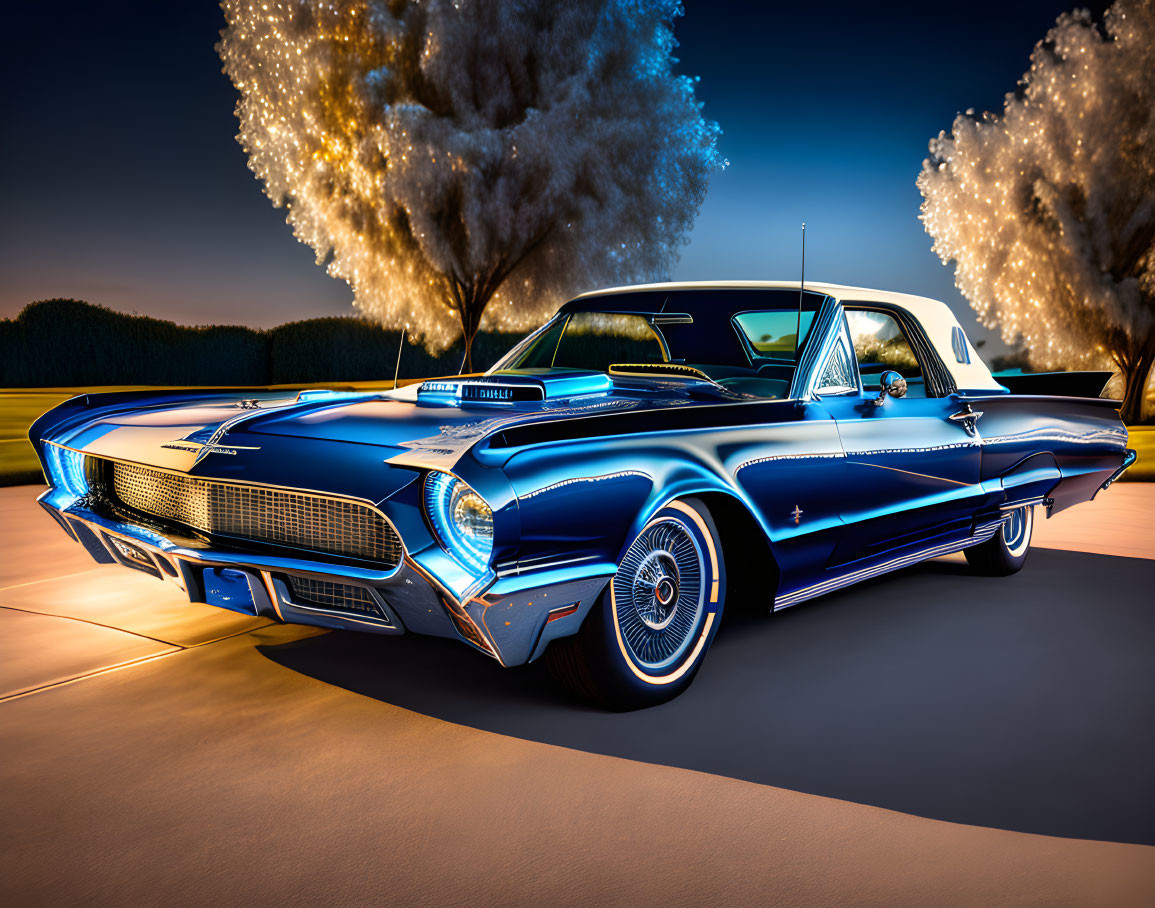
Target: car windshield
592, 340
751, 351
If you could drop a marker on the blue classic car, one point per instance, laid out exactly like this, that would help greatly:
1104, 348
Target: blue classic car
597, 497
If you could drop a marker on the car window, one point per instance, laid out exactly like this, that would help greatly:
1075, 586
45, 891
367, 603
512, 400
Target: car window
881, 345
774, 333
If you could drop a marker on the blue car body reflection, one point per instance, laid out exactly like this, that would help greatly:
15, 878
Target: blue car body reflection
762, 401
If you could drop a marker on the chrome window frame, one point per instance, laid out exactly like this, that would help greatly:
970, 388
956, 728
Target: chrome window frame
828, 325
841, 344
937, 378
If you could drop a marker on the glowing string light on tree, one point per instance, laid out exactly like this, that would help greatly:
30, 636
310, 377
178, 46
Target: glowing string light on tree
1048, 210
438, 155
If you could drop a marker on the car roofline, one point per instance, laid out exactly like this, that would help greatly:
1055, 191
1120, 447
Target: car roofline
935, 316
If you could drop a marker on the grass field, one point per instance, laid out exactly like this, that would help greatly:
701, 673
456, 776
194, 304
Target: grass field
20, 406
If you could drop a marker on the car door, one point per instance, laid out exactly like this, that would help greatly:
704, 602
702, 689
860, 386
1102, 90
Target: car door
786, 460
911, 469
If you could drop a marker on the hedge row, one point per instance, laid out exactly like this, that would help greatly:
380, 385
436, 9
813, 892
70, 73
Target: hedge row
65, 343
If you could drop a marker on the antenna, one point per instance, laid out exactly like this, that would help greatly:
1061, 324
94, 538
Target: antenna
801, 286
400, 346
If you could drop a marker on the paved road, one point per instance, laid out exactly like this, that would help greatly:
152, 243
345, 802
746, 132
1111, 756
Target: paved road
931, 736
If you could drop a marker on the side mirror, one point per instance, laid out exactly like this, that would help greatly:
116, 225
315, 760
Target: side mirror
892, 384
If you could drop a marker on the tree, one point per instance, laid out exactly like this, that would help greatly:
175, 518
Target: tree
472, 162
1049, 209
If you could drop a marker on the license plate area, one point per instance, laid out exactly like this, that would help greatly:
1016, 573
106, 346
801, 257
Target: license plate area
229, 588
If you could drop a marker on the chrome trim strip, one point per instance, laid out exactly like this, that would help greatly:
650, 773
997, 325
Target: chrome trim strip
565, 482
1025, 502
818, 455
982, 534
539, 565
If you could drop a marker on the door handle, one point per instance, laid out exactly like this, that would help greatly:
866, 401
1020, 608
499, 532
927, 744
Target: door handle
969, 419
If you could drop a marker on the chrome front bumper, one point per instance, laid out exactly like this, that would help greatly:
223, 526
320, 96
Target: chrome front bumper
511, 618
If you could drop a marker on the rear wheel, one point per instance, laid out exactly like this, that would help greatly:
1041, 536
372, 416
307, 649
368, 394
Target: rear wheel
646, 637
1005, 552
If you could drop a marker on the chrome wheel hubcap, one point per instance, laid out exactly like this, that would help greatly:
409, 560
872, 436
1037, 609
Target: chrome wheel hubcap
659, 593
1017, 530
655, 592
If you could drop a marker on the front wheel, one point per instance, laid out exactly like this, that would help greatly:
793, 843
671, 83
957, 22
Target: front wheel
646, 637
1005, 552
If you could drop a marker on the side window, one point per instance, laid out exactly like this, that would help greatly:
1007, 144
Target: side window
880, 345
837, 375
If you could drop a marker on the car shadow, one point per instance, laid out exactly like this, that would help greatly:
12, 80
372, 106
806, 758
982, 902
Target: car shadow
1020, 703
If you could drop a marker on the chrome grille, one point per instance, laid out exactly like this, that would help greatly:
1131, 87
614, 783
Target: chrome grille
333, 525
339, 596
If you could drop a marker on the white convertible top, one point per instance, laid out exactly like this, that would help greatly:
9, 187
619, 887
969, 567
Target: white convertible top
935, 317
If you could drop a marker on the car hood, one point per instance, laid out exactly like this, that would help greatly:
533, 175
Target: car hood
428, 426
432, 425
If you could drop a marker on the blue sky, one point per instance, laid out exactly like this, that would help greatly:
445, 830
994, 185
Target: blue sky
123, 185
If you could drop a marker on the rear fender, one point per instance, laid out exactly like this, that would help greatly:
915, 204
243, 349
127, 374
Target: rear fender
1031, 479
1084, 437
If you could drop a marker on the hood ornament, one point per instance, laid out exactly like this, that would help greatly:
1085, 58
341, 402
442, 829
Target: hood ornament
204, 450
213, 446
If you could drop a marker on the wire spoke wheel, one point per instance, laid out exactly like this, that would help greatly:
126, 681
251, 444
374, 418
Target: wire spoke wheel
645, 637
660, 594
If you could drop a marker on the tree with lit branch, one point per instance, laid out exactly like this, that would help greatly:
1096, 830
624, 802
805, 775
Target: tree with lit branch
472, 163
1049, 209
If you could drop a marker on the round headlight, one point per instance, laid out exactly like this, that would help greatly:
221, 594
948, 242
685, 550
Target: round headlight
461, 519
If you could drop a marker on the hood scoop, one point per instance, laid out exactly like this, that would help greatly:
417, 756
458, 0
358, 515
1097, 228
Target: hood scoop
511, 388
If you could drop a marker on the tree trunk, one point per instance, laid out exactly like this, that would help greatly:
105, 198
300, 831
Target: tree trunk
470, 312
1135, 385
468, 362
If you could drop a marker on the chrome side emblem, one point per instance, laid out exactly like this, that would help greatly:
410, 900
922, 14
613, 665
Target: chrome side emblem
797, 515
969, 417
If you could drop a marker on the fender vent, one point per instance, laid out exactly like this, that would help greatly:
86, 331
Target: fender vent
482, 391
